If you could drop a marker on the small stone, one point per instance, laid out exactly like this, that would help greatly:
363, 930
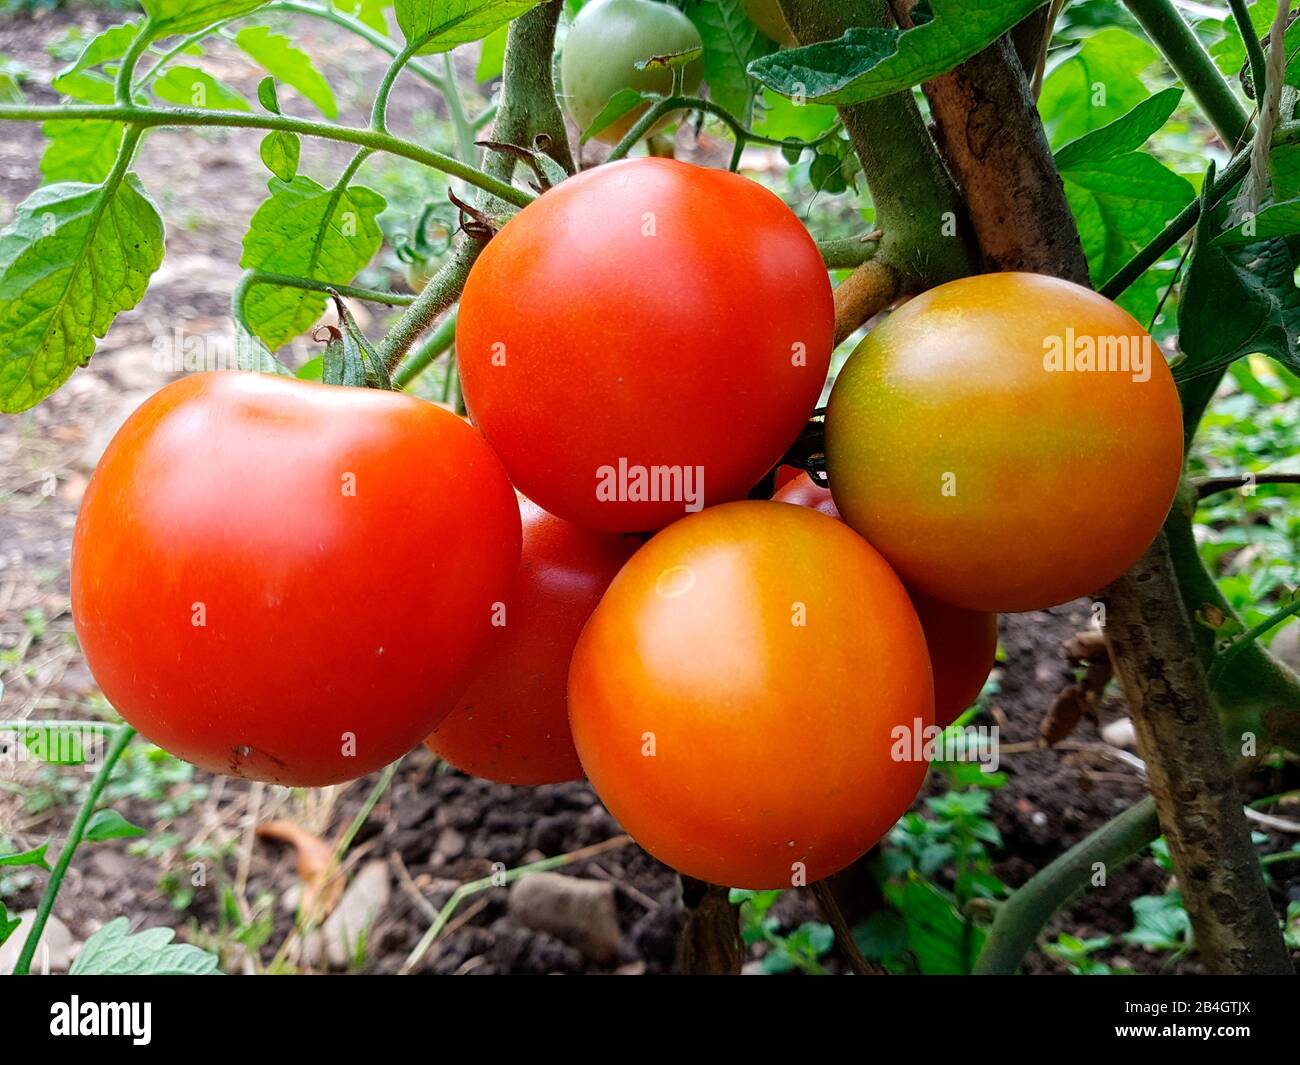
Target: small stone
582, 913
354, 916
54, 953
451, 844
1120, 733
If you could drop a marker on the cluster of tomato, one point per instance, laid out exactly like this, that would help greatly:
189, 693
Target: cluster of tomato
297, 582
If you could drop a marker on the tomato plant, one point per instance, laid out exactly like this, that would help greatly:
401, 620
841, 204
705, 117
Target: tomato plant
604, 49
962, 643
623, 293
290, 581
512, 723
967, 443
730, 713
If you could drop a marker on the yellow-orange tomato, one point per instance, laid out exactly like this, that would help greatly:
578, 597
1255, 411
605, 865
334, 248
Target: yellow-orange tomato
512, 724
735, 697
962, 643
974, 441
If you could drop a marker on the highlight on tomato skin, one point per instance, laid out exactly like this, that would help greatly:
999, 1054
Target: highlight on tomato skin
963, 643
261, 567
732, 709
1008, 441
512, 723
627, 381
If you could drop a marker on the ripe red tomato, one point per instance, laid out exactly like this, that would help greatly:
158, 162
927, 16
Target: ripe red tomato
645, 338
968, 441
734, 697
290, 581
512, 724
962, 643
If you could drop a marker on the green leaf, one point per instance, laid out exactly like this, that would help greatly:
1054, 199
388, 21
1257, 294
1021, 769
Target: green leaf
492, 56
192, 87
1124, 135
8, 925
870, 62
883, 934
1237, 300
312, 370
11, 92
443, 24
306, 230
784, 119
73, 258
114, 951
1274, 220
80, 151
287, 63
1121, 204
935, 930
349, 358
104, 47
169, 17
87, 86
35, 856
731, 43
1098, 84
280, 152
370, 12
1160, 922
251, 354
618, 105
109, 824
267, 96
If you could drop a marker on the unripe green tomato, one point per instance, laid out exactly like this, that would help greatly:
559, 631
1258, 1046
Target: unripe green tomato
606, 41
767, 16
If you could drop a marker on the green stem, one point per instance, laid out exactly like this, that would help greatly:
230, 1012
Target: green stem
418, 360
1021, 918
251, 278
1185, 53
440, 293
146, 117
122, 87
120, 739
742, 132
1248, 638
847, 252
456, 109
379, 112
1254, 50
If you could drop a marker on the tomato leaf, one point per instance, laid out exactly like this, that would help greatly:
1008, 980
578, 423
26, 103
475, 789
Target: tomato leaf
8, 925
618, 105
114, 951
192, 87
306, 230
72, 259
443, 24
80, 151
280, 152
492, 56
1237, 300
784, 119
731, 43
104, 47
1274, 220
349, 358
1124, 135
286, 62
169, 17
267, 96
1100, 83
935, 930
109, 824
869, 61
87, 86
35, 856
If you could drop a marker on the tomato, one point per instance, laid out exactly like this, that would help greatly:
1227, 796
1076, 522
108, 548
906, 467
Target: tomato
290, 581
512, 724
606, 42
962, 643
969, 442
767, 16
644, 339
734, 697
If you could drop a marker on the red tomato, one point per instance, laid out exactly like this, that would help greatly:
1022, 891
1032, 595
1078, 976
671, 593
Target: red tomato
290, 581
736, 694
512, 724
972, 439
962, 643
644, 339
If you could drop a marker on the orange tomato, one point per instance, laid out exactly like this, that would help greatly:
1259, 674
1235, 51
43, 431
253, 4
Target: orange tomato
962, 643
735, 697
512, 724
968, 440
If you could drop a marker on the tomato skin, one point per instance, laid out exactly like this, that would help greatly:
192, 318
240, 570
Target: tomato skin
772, 740
512, 723
602, 48
963, 644
585, 344
346, 546
987, 479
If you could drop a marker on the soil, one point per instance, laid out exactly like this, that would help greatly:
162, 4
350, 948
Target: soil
434, 828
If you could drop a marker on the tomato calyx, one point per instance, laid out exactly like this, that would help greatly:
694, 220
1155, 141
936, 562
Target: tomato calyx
549, 173
474, 223
349, 359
